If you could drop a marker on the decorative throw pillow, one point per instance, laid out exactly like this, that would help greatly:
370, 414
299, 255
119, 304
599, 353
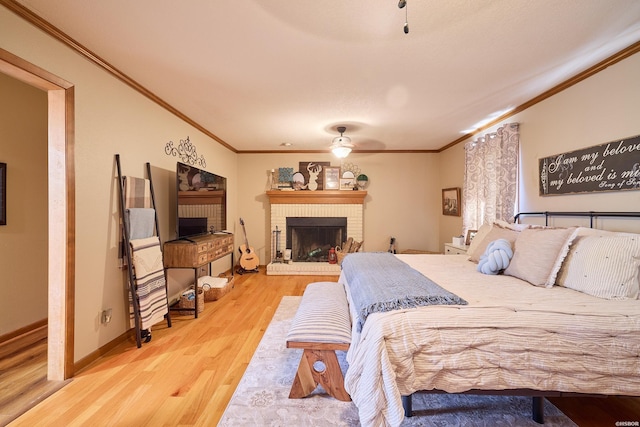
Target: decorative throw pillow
480, 235
539, 253
496, 232
605, 266
496, 258
513, 226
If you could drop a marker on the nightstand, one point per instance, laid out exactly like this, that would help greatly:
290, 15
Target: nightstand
451, 249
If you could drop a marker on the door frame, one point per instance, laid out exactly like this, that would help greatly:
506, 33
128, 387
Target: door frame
61, 210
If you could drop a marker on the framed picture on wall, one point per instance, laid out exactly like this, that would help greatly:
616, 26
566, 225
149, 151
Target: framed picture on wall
451, 201
3, 194
313, 174
331, 178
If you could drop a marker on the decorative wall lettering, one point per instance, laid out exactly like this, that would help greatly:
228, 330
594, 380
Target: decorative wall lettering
613, 166
186, 151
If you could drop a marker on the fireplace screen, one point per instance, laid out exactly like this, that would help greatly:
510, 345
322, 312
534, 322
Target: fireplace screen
310, 238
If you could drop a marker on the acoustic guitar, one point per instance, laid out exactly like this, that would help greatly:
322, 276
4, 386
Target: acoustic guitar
248, 258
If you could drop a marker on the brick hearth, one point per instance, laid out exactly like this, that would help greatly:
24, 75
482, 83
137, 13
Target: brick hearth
315, 204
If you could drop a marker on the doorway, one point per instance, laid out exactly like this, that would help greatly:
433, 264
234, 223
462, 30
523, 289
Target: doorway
61, 209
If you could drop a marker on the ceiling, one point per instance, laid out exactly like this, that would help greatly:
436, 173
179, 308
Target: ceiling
258, 74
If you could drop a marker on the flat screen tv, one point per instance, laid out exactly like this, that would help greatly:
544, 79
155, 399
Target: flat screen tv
202, 201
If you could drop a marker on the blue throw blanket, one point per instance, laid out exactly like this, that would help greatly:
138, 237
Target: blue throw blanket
379, 281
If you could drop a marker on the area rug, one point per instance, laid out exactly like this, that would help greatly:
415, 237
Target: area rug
262, 396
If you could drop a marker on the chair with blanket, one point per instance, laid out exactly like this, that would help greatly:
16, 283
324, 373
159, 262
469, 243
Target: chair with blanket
141, 251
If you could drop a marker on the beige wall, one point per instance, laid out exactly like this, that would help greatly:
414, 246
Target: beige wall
23, 241
452, 175
603, 108
403, 199
111, 118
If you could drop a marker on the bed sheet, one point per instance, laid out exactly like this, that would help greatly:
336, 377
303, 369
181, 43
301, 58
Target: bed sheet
511, 335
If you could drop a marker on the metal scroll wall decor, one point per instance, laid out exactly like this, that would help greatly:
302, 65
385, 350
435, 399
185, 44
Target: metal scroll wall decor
186, 151
613, 166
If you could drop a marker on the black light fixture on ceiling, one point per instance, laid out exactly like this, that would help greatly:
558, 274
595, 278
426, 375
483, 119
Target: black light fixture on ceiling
341, 146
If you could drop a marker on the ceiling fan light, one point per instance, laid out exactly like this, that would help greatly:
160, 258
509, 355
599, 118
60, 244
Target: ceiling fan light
341, 146
341, 151
341, 140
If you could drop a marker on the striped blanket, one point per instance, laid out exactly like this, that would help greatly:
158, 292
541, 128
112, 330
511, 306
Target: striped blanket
379, 282
150, 281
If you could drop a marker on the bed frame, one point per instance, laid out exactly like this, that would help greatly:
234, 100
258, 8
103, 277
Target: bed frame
537, 407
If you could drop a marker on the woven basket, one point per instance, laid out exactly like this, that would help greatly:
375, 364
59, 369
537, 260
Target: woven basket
185, 302
340, 256
214, 294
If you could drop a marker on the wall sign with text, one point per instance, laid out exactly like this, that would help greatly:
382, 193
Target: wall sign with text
613, 166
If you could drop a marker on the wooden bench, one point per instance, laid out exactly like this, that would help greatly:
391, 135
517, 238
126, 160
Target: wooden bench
321, 326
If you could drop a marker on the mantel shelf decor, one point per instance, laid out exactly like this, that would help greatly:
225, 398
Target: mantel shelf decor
317, 197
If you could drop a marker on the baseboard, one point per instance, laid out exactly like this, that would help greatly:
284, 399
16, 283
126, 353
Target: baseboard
25, 332
95, 355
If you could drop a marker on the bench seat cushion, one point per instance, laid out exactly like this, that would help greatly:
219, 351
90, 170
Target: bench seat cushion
323, 315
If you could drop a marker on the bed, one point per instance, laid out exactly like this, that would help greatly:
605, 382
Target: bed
511, 336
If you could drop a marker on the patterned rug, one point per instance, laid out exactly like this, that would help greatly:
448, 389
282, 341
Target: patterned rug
262, 396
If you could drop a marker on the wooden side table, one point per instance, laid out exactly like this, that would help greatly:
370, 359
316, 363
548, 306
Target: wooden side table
195, 252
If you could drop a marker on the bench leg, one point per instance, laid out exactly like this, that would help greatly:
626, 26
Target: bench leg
308, 378
303, 384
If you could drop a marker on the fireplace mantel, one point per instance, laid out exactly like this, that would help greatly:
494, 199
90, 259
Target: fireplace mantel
317, 197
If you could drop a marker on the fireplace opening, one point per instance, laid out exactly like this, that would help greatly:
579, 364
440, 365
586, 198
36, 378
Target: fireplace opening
310, 238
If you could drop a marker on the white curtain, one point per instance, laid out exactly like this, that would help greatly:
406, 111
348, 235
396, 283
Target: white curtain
491, 177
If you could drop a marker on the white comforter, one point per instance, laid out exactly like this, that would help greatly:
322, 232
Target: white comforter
512, 335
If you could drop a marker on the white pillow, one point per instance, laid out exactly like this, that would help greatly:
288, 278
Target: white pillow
480, 235
539, 253
495, 232
605, 266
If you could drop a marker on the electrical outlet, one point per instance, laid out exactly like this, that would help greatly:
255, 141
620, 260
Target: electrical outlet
106, 316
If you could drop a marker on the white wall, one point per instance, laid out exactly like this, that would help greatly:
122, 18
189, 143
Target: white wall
23, 241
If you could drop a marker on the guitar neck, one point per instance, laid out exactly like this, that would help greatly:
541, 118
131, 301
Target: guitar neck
246, 241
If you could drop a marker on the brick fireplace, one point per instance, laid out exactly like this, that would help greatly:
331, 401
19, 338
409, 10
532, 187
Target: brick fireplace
315, 204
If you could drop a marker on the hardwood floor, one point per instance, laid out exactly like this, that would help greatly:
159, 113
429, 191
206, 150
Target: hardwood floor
187, 374
23, 374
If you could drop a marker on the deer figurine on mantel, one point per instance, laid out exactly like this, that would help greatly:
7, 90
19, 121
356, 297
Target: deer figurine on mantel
314, 171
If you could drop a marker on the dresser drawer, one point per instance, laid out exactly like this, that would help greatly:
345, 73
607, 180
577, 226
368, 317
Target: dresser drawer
197, 251
451, 249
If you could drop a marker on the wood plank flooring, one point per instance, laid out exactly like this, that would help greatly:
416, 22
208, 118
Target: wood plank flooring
23, 374
187, 374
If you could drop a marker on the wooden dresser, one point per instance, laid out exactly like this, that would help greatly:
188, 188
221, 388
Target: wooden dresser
197, 251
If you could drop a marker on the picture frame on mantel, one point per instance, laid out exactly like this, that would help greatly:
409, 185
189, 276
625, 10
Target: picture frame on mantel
347, 183
451, 201
3, 194
331, 178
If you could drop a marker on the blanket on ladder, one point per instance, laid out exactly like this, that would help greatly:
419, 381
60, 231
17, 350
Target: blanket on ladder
150, 281
379, 281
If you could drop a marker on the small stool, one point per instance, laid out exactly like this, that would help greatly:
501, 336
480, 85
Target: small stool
321, 326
